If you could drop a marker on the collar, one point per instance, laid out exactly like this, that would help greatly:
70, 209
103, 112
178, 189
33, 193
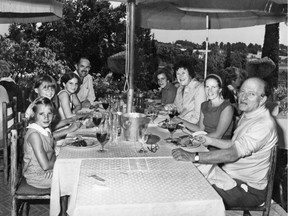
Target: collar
43, 131
193, 84
8, 79
255, 113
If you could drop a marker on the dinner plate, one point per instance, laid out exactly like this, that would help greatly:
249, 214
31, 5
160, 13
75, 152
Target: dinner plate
90, 141
163, 124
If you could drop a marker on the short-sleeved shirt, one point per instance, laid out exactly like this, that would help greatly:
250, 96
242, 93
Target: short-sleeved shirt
168, 94
212, 116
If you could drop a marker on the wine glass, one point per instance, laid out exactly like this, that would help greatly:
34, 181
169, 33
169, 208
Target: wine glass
172, 112
103, 135
154, 115
171, 126
284, 107
143, 138
97, 118
105, 104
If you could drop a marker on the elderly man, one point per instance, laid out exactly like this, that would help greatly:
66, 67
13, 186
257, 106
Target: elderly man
242, 180
86, 92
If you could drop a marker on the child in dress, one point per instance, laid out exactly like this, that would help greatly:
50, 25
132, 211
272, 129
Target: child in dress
39, 155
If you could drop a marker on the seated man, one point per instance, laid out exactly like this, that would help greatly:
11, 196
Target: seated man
242, 180
86, 92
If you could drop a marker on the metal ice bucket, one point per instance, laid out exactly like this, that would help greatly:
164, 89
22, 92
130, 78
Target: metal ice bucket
132, 124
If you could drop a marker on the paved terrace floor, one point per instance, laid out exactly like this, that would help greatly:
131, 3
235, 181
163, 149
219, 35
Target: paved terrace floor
43, 209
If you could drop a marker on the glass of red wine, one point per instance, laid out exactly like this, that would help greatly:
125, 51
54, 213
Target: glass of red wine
105, 104
103, 135
171, 126
97, 118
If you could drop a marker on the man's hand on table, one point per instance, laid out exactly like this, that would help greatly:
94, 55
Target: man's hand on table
181, 155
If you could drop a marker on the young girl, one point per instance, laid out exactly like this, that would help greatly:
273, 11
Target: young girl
68, 100
216, 117
39, 155
46, 86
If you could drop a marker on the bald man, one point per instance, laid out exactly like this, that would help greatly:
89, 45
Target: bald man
242, 180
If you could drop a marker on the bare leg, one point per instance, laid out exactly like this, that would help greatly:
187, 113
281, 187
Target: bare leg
63, 204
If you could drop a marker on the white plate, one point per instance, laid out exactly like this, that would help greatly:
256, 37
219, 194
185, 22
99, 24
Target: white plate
91, 143
199, 133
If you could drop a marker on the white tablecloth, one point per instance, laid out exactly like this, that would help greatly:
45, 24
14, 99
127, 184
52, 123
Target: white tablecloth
123, 161
144, 186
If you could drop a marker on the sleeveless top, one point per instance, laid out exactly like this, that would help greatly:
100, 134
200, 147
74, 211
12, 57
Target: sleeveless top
32, 170
60, 110
212, 116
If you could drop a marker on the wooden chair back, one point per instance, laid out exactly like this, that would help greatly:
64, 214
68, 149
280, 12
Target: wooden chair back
269, 189
9, 118
22, 193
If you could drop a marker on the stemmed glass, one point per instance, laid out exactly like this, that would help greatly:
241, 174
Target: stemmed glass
105, 104
171, 126
284, 107
103, 134
154, 115
97, 118
143, 138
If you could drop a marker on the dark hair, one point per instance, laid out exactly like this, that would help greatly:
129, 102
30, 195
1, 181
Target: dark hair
186, 65
230, 74
167, 71
43, 101
68, 76
215, 77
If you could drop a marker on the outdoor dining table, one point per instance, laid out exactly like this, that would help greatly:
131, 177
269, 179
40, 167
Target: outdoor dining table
122, 181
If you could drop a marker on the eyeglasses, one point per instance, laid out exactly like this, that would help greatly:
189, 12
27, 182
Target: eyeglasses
249, 95
153, 148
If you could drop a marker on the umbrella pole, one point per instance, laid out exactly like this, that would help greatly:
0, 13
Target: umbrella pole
131, 30
206, 50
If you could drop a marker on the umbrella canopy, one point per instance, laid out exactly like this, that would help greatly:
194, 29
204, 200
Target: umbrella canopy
191, 15
30, 11
116, 62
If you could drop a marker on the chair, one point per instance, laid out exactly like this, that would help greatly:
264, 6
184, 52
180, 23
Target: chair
9, 118
269, 189
22, 193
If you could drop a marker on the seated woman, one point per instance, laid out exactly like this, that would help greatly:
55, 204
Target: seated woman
69, 103
216, 116
164, 80
45, 86
190, 93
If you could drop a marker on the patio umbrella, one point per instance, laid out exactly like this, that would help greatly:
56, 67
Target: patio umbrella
116, 62
30, 11
195, 14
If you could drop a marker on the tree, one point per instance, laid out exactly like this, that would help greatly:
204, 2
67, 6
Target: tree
227, 62
271, 50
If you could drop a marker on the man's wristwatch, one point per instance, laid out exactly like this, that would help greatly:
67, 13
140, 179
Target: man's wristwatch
196, 158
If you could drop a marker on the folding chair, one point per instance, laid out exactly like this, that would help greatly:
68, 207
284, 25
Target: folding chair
22, 193
269, 189
9, 118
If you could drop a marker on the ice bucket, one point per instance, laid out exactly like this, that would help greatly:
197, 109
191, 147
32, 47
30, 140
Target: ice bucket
133, 124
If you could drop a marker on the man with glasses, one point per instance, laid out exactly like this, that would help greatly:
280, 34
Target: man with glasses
242, 179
